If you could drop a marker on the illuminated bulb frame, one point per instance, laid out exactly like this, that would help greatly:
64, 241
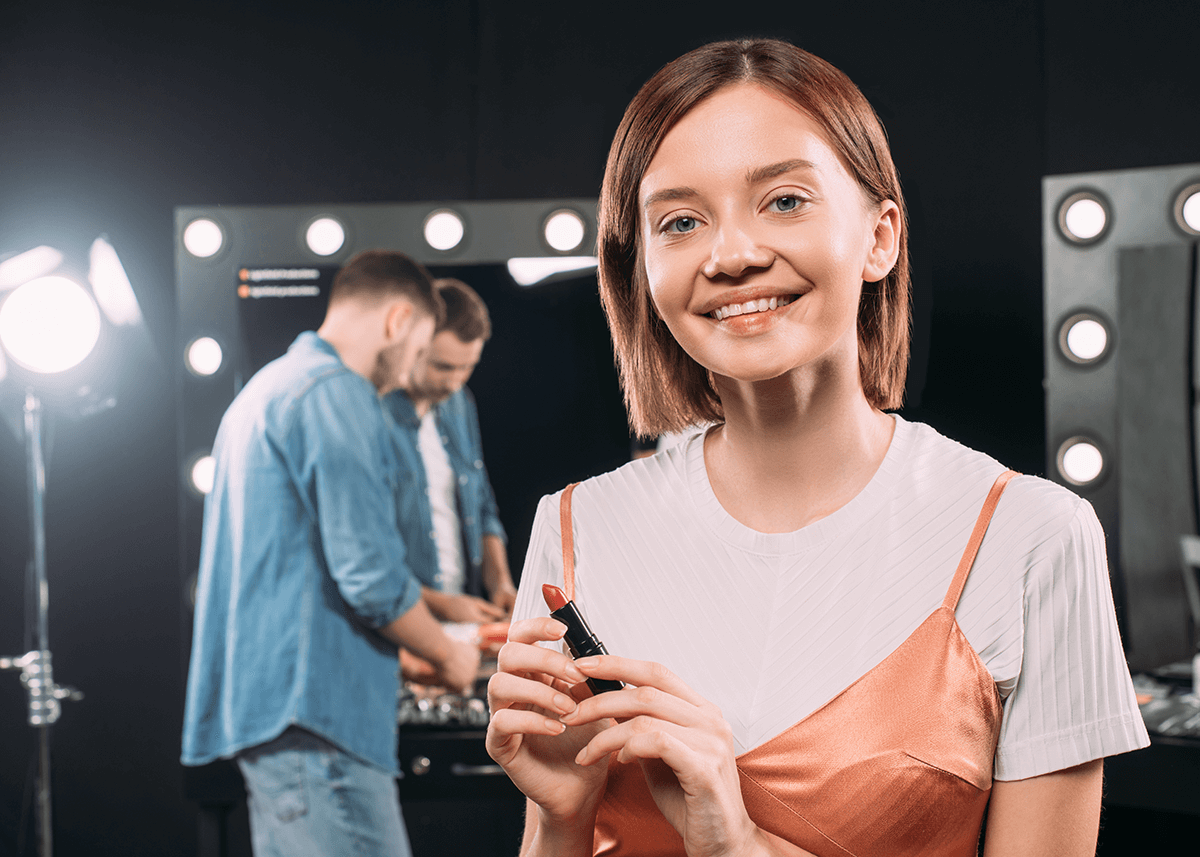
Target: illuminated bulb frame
1070, 442
1078, 196
462, 241
308, 224
221, 227
188, 467
1065, 328
1177, 209
187, 356
568, 251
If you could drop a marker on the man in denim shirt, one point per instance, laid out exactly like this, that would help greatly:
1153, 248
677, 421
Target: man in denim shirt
447, 511
305, 591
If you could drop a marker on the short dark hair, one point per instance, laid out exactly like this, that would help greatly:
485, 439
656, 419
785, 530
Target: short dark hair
665, 389
466, 313
379, 274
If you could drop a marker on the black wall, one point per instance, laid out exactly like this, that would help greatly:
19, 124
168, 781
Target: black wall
112, 114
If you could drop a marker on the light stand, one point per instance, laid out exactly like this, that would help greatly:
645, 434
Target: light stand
48, 324
36, 671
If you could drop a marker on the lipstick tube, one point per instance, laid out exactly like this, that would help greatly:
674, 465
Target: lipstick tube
580, 639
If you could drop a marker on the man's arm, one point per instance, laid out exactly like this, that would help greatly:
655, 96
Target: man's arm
460, 608
496, 577
417, 631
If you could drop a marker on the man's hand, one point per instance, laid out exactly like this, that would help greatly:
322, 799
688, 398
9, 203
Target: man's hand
505, 598
456, 663
461, 608
460, 667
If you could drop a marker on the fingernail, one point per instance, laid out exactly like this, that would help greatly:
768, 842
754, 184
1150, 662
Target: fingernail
555, 726
587, 663
574, 674
564, 703
579, 756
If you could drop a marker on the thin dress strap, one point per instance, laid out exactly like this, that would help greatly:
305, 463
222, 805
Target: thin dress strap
981, 525
568, 541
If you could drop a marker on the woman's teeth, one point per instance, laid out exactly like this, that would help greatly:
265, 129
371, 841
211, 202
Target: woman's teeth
760, 305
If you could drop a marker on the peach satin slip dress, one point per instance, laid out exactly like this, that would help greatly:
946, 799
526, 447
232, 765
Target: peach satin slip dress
899, 763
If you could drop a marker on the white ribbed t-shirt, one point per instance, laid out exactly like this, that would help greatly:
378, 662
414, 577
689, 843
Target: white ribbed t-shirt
771, 626
443, 506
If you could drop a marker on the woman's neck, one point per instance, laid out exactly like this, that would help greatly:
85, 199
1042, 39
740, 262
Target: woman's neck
794, 449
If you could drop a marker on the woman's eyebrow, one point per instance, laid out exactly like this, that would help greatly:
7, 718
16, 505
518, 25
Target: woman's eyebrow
669, 194
754, 176
771, 171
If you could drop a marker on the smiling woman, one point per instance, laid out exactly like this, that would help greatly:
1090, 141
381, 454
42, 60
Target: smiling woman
840, 632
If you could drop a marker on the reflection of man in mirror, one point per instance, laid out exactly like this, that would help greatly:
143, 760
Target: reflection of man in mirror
446, 508
304, 592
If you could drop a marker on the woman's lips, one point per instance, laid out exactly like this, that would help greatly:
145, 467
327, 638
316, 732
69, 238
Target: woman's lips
732, 310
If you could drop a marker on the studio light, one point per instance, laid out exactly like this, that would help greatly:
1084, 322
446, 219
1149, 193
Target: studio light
564, 230
28, 266
1083, 217
325, 236
1187, 209
111, 287
203, 356
531, 270
1083, 338
1080, 461
49, 325
203, 238
444, 229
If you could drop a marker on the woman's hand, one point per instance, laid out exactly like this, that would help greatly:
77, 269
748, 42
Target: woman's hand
532, 688
685, 748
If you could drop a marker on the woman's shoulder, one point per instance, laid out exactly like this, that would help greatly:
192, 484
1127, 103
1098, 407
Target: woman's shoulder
938, 465
626, 490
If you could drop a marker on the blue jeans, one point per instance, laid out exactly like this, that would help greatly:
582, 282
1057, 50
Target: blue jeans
309, 799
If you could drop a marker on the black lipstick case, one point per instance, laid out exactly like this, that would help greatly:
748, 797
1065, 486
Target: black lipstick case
582, 643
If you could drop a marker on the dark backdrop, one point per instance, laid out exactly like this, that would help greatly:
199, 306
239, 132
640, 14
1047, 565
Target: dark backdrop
111, 114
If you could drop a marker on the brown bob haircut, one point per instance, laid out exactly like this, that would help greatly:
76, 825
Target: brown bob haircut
376, 275
466, 313
665, 389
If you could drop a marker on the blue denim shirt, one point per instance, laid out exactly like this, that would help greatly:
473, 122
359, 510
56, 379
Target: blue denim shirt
458, 426
300, 559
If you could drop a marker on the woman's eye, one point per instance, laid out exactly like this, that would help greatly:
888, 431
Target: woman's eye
681, 224
786, 203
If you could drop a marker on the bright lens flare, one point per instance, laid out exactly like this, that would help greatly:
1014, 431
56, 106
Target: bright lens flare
204, 356
444, 230
325, 236
564, 230
1190, 211
1082, 462
49, 325
1085, 219
1087, 339
203, 238
204, 470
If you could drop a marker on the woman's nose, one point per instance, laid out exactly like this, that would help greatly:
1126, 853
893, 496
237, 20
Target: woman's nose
735, 250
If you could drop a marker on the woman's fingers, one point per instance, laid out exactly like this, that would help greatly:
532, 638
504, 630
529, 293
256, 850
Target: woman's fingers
639, 674
536, 630
506, 690
522, 656
634, 701
511, 721
647, 738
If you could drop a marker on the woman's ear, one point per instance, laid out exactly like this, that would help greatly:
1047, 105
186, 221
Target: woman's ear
885, 247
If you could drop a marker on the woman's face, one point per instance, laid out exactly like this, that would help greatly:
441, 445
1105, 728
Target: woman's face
756, 240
